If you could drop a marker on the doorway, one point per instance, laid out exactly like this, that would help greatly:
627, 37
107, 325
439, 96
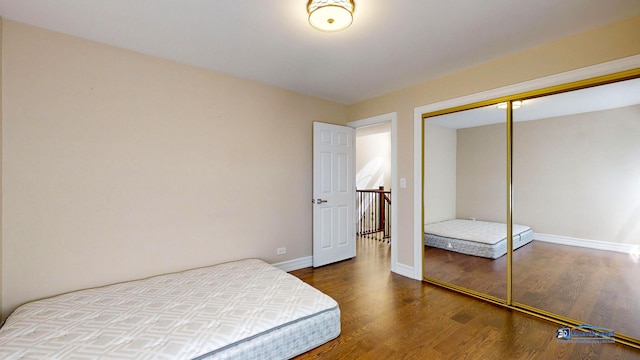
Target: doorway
373, 182
376, 169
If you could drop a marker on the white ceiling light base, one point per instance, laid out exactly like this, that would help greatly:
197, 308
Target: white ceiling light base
330, 15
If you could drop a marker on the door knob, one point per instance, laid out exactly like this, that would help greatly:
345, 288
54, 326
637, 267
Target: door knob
318, 201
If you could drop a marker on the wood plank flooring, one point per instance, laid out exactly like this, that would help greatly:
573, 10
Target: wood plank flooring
388, 316
594, 286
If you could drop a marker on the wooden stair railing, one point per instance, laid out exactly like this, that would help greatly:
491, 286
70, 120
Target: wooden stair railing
374, 212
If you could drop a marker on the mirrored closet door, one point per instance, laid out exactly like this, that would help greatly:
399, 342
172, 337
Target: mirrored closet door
574, 151
464, 200
576, 183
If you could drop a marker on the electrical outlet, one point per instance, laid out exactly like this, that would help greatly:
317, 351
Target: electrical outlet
281, 251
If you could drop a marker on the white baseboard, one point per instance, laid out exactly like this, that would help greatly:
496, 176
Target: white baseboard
301, 263
406, 271
591, 244
295, 264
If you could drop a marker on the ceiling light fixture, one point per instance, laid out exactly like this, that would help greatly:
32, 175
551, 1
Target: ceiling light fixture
330, 15
515, 104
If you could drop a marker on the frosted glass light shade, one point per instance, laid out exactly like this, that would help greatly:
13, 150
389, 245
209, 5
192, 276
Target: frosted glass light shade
330, 15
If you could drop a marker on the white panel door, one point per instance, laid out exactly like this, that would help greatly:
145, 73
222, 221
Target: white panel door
334, 195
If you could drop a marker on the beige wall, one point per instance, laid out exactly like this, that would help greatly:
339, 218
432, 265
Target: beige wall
612, 42
579, 175
1, 177
576, 176
118, 165
481, 173
439, 173
373, 156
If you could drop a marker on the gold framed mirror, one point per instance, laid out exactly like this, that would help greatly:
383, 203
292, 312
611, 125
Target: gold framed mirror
552, 186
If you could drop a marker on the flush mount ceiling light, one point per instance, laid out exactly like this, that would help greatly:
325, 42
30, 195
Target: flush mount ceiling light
330, 15
514, 104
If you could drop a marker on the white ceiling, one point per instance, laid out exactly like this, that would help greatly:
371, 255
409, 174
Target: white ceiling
391, 44
603, 97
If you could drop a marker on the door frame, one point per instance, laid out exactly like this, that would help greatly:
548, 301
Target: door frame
384, 118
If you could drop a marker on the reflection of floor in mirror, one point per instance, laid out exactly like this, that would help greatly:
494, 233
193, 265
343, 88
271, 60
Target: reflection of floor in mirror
594, 286
388, 316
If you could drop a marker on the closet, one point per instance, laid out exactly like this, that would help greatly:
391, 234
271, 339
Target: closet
563, 161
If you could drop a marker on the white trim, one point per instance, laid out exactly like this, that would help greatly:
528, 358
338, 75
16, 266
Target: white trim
393, 118
406, 270
418, 252
591, 244
373, 120
295, 264
610, 67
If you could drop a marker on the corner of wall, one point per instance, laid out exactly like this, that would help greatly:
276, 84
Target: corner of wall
1, 38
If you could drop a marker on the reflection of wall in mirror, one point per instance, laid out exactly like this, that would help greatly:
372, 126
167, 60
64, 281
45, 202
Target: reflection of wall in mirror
481, 173
439, 173
574, 176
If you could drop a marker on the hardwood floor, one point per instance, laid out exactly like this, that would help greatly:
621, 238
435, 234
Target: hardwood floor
388, 316
594, 286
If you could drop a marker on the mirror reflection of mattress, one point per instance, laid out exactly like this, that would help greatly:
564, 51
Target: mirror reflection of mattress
473, 237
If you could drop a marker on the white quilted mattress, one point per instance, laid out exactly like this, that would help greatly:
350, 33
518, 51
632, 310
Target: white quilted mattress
473, 230
184, 315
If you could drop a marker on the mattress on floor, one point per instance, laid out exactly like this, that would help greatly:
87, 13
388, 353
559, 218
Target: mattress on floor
241, 310
478, 238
